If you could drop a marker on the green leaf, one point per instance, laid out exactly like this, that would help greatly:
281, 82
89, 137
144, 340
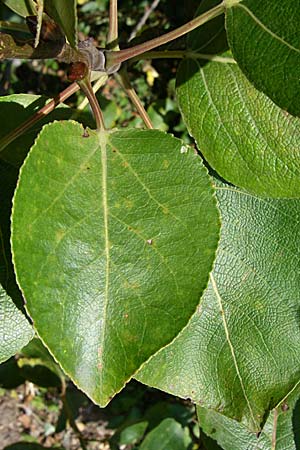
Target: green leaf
118, 229
282, 427
37, 364
168, 435
133, 433
264, 37
65, 15
239, 354
242, 134
22, 7
15, 330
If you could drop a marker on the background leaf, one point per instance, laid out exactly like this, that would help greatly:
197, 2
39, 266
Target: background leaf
15, 330
264, 37
133, 433
65, 15
240, 353
118, 229
242, 134
166, 436
22, 7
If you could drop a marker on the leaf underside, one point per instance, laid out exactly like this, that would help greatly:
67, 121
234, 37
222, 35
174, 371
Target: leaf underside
119, 231
15, 330
242, 134
283, 431
264, 37
240, 353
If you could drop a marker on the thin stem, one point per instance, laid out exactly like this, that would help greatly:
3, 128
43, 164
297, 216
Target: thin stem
112, 38
86, 87
143, 20
124, 55
96, 86
48, 108
123, 79
183, 54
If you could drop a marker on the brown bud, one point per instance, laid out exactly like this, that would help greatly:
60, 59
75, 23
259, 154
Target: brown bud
78, 70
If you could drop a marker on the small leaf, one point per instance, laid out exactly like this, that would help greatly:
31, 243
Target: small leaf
242, 134
264, 37
22, 7
133, 433
117, 229
65, 14
232, 435
239, 354
167, 435
15, 330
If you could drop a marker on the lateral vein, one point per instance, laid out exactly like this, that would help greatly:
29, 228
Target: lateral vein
266, 29
215, 288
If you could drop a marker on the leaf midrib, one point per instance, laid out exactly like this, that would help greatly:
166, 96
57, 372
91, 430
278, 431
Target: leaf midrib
103, 141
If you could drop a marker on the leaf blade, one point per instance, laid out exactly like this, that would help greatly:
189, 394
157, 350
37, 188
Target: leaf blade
65, 14
15, 330
271, 56
258, 287
242, 134
135, 188
22, 7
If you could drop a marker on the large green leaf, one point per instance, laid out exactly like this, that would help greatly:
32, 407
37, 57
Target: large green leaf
15, 330
65, 14
281, 430
240, 353
114, 235
22, 7
168, 435
265, 40
243, 135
